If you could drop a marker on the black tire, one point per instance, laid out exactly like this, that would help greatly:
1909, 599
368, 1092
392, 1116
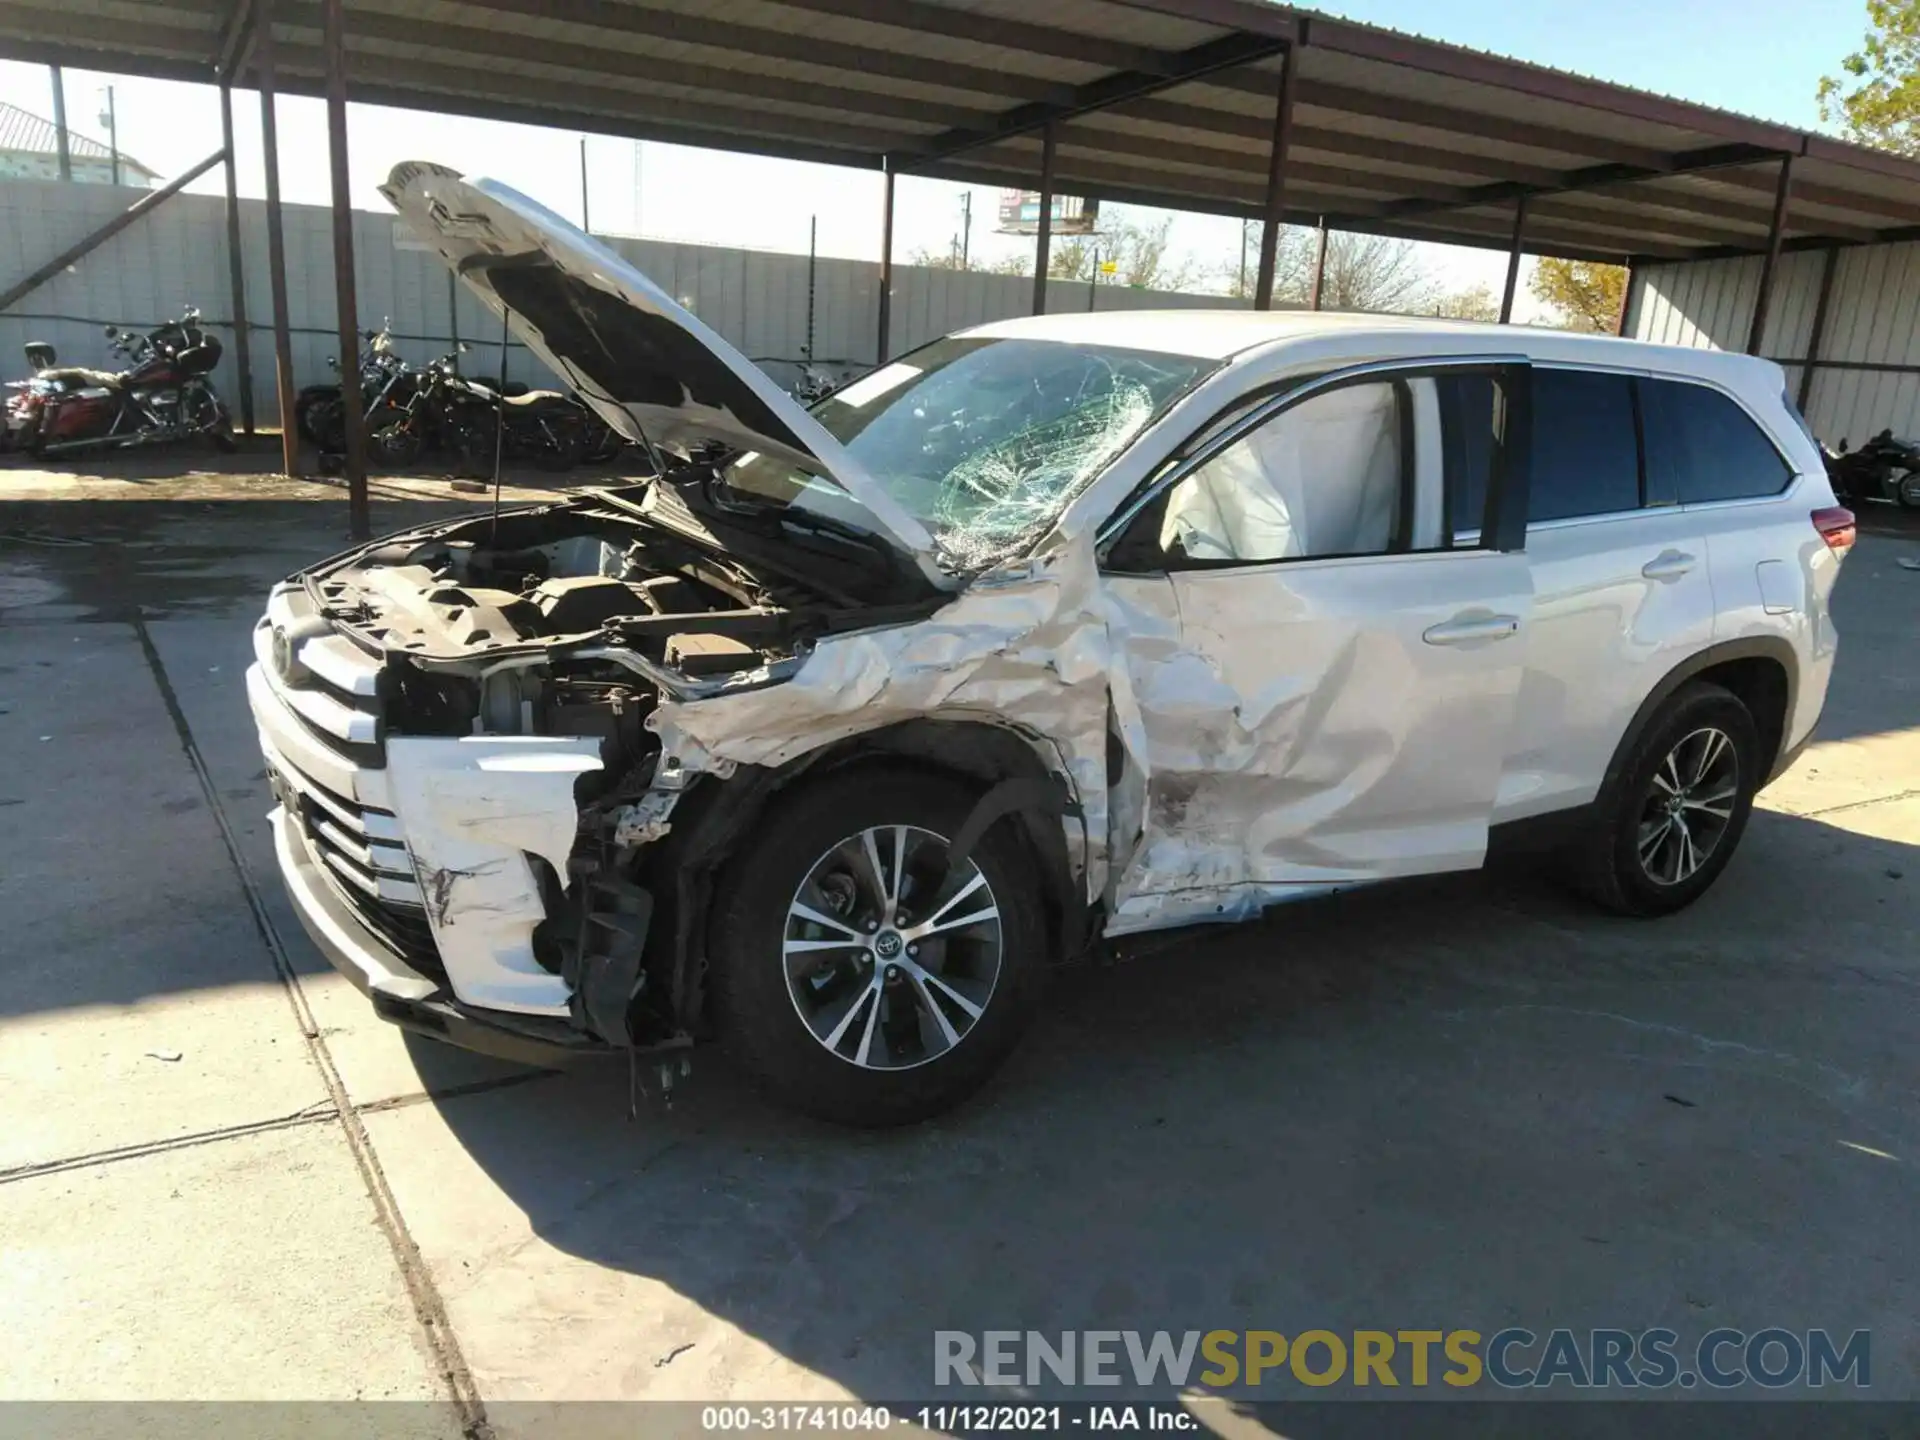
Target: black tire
395, 445
475, 442
560, 446
759, 1023
1608, 864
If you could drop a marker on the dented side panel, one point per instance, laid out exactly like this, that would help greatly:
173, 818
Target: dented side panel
474, 809
1027, 649
1319, 724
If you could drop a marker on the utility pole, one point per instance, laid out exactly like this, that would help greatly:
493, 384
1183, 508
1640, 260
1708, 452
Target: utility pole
60, 123
966, 227
1243, 258
113, 135
586, 215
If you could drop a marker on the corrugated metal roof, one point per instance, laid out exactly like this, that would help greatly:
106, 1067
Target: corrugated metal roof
21, 130
1165, 102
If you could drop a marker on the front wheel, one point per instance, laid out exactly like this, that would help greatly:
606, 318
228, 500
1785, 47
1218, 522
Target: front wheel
395, 445
861, 978
1906, 489
1666, 829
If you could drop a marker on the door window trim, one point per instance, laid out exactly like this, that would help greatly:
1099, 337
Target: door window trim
1506, 486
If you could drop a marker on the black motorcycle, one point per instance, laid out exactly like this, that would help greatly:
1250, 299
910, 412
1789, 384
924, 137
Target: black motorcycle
386, 385
474, 423
1885, 468
161, 395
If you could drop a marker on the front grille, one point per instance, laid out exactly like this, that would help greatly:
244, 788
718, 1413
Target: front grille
321, 729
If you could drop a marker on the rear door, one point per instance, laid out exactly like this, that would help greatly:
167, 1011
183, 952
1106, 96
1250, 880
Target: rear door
1326, 694
1621, 587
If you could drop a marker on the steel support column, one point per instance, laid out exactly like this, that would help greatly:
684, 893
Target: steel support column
60, 140
236, 272
1762, 302
884, 346
1513, 260
1319, 266
1626, 303
263, 59
334, 40
1276, 205
1818, 334
1043, 237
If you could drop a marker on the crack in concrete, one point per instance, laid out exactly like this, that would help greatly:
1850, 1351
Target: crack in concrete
32, 1169
429, 1309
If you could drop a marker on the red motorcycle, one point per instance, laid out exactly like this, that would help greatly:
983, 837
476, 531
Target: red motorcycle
162, 395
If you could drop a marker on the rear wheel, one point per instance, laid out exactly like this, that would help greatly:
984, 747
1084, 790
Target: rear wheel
1676, 814
1907, 488
861, 978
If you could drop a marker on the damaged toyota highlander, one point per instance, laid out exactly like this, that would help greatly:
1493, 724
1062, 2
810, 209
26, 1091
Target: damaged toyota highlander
823, 743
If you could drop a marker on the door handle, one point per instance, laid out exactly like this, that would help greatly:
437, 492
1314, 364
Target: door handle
1668, 565
1465, 629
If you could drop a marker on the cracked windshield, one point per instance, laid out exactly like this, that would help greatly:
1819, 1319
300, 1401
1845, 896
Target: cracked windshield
983, 440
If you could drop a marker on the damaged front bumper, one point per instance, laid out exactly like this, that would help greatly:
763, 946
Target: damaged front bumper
427, 869
401, 994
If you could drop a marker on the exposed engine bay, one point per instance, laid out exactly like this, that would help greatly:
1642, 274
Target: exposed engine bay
532, 648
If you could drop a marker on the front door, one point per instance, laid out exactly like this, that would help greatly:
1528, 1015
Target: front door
1326, 694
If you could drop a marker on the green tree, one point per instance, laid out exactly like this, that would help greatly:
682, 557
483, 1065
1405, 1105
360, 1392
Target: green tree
1877, 100
1586, 296
1137, 249
1474, 303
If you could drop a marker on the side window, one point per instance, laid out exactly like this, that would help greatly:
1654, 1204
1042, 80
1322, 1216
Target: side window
1586, 448
1468, 442
1325, 477
1702, 446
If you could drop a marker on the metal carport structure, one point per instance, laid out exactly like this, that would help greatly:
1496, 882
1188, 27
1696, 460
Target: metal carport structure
1231, 107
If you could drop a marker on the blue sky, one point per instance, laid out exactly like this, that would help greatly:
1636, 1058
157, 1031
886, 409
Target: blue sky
1759, 57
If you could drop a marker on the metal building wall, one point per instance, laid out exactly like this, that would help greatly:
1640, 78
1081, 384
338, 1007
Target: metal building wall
1873, 320
758, 300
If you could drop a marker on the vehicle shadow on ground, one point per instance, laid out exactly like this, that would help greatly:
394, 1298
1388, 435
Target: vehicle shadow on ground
1452, 1103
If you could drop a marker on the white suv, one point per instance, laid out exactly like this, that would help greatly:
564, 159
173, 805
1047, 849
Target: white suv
825, 741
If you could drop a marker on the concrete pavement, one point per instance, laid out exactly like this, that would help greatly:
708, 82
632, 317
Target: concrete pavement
1461, 1103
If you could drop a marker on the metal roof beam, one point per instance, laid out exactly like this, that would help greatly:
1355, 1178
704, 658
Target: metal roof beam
692, 29
239, 35
1203, 125
1352, 100
1215, 55
435, 83
1521, 78
459, 44
1720, 157
1375, 190
979, 28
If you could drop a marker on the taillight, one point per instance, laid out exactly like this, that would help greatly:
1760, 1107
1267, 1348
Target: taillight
1835, 524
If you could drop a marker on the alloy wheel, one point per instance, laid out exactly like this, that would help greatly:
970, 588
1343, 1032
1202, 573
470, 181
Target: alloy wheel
891, 954
1688, 806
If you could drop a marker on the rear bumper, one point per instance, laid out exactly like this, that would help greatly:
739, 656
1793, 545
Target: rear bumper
401, 994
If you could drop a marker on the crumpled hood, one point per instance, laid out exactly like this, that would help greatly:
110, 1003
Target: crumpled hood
646, 364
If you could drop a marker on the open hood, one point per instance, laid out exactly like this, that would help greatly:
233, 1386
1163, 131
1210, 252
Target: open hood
644, 362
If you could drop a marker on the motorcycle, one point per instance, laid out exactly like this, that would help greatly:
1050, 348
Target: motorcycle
386, 382
161, 395
1884, 468
449, 411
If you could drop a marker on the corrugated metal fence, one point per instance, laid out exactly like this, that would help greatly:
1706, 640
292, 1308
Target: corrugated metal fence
1867, 375
758, 300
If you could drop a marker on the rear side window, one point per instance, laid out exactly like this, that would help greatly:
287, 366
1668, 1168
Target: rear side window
1702, 446
1586, 445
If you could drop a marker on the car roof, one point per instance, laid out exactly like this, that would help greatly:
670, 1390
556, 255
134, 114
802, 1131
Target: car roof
1232, 334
